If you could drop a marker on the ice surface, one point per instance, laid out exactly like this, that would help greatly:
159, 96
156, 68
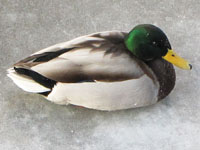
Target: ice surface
30, 122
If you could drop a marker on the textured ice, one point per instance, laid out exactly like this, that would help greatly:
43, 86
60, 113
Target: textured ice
30, 122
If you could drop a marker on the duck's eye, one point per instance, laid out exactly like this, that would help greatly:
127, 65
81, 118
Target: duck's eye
173, 55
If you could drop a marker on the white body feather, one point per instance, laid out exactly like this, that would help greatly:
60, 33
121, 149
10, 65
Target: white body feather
107, 96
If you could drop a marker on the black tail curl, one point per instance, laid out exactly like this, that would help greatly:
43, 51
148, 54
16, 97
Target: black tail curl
44, 81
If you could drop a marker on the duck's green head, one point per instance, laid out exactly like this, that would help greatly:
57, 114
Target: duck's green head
148, 42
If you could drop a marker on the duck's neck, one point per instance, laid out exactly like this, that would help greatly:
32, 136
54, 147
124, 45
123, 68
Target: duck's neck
133, 39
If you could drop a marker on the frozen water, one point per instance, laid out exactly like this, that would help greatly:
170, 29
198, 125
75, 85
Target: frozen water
29, 122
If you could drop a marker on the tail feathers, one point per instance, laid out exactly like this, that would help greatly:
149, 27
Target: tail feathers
30, 81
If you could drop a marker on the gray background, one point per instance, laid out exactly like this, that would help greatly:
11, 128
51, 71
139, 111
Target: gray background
28, 121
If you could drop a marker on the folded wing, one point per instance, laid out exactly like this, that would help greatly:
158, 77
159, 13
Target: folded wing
95, 57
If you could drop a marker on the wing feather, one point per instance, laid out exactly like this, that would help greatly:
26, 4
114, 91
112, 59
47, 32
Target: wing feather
100, 56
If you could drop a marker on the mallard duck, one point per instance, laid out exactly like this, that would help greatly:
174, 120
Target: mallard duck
109, 70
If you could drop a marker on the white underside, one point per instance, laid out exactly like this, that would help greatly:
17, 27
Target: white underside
96, 95
107, 95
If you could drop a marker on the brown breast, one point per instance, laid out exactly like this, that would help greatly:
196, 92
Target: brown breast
165, 74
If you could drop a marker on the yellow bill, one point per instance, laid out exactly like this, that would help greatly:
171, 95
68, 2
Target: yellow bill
173, 58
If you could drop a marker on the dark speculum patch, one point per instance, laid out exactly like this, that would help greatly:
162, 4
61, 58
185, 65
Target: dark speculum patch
36, 77
46, 56
51, 55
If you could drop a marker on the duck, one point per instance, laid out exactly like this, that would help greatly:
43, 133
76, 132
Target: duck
108, 71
